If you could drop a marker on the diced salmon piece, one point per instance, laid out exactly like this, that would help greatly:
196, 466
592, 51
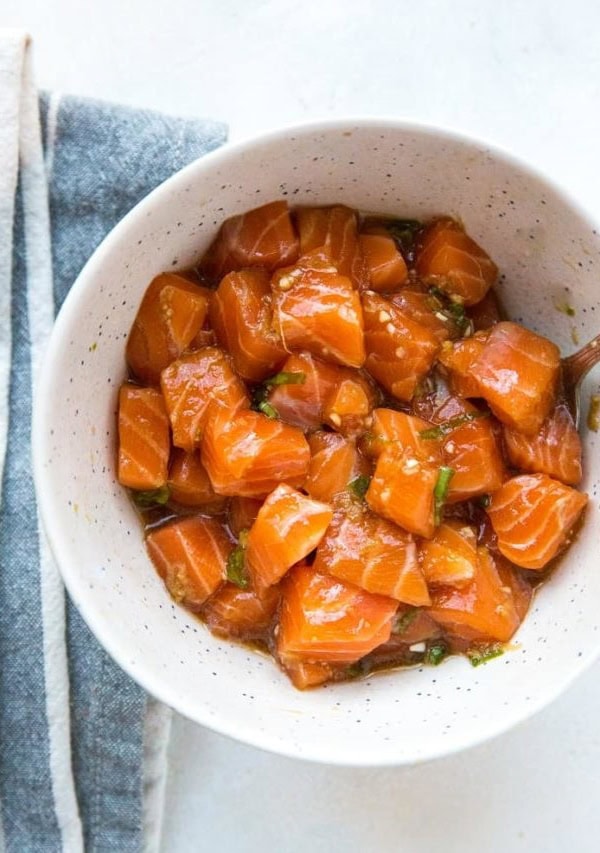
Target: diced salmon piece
451, 260
451, 556
303, 404
190, 384
404, 431
190, 555
471, 449
263, 237
554, 450
533, 516
317, 309
400, 352
144, 443
517, 373
482, 609
486, 313
349, 405
420, 306
371, 552
305, 673
189, 484
289, 525
402, 489
249, 454
242, 513
459, 359
385, 265
241, 614
242, 317
520, 587
333, 232
334, 462
326, 620
172, 312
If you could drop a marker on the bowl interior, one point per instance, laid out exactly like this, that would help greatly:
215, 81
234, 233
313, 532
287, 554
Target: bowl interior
548, 252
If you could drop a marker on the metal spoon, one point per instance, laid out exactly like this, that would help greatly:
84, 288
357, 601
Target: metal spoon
574, 369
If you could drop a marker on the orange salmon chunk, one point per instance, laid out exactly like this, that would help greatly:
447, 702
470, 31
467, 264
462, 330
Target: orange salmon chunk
304, 673
459, 360
326, 620
263, 237
517, 373
317, 309
349, 405
189, 484
249, 454
334, 462
484, 608
190, 384
385, 265
554, 450
402, 490
532, 516
423, 308
241, 614
172, 312
302, 404
333, 233
451, 260
371, 552
190, 555
404, 431
400, 352
288, 526
241, 316
144, 442
451, 556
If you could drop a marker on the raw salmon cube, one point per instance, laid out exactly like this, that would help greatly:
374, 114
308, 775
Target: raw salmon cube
242, 317
324, 619
172, 312
533, 516
459, 360
189, 484
190, 555
289, 525
385, 265
426, 310
317, 309
451, 556
190, 384
263, 237
451, 260
334, 463
403, 431
349, 405
402, 489
250, 454
482, 609
554, 450
144, 443
333, 232
371, 552
241, 614
303, 403
400, 352
304, 673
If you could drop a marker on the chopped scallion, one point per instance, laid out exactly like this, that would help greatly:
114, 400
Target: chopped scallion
440, 492
267, 409
236, 562
359, 485
402, 622
285, 378
444, 428
479, 656
154, 497
435, 654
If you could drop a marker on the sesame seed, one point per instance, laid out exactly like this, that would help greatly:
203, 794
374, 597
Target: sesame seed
384, 317
390, 328
335, 419
285, 282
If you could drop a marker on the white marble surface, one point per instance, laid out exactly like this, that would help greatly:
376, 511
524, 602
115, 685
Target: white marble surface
524, 74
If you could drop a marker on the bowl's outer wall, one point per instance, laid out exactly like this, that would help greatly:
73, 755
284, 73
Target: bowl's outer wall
548, 254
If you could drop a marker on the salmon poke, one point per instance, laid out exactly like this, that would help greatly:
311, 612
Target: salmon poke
341, 449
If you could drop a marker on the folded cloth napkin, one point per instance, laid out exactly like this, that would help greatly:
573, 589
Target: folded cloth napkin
82, 748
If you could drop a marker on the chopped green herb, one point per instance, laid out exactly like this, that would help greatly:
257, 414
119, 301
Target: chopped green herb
154, 497
564, 308
404, 621
440, 492
479, 656
267, 409
484, 501
284, 378
359, 485
453, 309
236, 562
444, 428
404, 232
435, 654
593, 418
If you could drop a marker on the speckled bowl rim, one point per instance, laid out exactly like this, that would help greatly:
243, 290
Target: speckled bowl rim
43, 403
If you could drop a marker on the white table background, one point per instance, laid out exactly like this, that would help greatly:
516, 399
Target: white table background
524, 73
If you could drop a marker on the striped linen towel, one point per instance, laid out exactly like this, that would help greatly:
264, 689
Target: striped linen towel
82, 748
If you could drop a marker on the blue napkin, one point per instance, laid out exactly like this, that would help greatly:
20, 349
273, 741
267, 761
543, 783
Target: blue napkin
80, 743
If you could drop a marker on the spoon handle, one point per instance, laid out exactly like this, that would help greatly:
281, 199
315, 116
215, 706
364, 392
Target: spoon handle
581, 362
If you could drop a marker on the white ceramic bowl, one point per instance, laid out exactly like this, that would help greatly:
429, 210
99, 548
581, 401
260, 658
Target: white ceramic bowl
547, 250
